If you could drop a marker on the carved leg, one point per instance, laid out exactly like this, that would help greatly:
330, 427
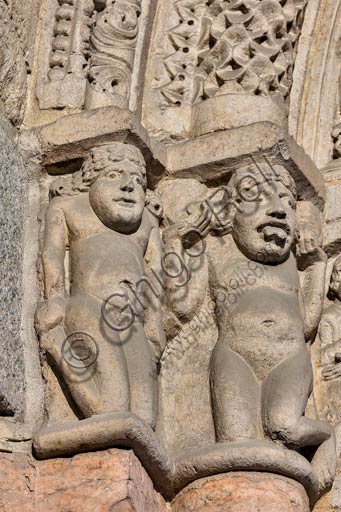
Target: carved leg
284, 398
142, 374
235, 397
104, 385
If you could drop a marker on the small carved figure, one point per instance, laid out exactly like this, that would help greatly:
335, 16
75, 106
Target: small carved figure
260, 371
101, 216
330, 339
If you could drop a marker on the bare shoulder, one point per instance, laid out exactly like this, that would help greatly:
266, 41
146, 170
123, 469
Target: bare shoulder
147, 223
65, 204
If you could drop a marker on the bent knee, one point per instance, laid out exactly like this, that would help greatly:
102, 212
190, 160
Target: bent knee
280, 427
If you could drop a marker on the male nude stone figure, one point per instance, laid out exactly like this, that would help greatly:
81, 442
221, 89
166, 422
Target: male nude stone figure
330, 342
111, 236
260, 370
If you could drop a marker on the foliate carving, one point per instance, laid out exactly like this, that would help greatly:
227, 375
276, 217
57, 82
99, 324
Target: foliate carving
232, 46
66, 76
113, 42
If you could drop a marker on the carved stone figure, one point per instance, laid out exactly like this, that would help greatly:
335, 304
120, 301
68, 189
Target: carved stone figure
112, 44
260, 372
330, 339
91, 323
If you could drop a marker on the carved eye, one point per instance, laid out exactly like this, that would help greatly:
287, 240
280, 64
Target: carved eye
112, 174
248, 189
139, 180
286, 198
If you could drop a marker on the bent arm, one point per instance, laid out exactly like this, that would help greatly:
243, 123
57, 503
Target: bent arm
186, 272
313, 289
312, 260
53, 252
154, 288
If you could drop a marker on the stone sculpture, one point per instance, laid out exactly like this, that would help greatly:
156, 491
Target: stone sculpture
330, 340
237, 47
102, 219
260, 371
64, 83
112, 44
222, 414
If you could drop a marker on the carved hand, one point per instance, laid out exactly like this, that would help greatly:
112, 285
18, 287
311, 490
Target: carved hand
309, 234
308, 247
192, 231
331, 371
328, 355
49, 314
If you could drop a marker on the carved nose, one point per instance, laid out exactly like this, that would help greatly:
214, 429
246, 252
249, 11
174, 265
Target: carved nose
276, 209
127, 183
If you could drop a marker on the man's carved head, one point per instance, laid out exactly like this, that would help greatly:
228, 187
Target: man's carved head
262, 211
335, 280
116, 176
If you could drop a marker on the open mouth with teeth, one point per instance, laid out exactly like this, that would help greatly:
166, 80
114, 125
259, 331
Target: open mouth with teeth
274, 231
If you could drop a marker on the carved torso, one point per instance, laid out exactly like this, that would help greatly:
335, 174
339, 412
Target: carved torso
101, 258
258, 309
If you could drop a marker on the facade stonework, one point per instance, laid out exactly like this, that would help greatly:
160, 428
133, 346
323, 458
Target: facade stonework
171, 268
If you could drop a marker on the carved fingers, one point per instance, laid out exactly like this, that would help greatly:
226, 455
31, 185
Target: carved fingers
331, 371
308, 247
309, 233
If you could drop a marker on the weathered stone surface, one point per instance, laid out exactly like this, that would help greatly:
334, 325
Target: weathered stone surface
315, 96
16, 28
13, 189
203, 88
17, 483
332, 225
107, 481
243, 492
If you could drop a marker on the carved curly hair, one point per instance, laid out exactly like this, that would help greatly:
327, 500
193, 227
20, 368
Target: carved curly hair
103, 156
98, 159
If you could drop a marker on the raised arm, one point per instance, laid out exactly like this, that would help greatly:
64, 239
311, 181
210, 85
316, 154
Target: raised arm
54, 247
51, 312
154, 289
186, 269
312, 261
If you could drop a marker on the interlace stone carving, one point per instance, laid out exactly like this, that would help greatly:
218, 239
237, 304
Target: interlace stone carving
232, 46
113, 42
